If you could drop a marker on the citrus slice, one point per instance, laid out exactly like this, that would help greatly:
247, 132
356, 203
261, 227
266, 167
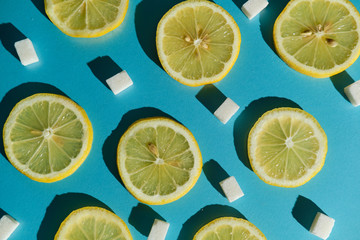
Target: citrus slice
228, 228
319, 38
86, 18
159, 160
93, 223
197, 42
47, 137
287, 147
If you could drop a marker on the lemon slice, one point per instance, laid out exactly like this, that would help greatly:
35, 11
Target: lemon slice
47, 137
197, 42
159, 160
229, 228
86, 18
93, 223
287, 147
319, 38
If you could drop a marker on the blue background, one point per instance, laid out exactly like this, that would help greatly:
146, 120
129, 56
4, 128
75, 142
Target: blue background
259, 81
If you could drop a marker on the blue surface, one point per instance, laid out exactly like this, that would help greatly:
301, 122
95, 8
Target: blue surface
259, 81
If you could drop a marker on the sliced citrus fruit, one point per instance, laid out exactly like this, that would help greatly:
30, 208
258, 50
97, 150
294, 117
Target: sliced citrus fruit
197, 42
93, 223
47, 137
287, 147
319, 38
159, 160
83, 18
228, 228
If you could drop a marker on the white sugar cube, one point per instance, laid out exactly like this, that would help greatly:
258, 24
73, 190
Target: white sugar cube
7, 226
158, 230
119, 82
26, 52
322, 225
231, 189
226, 110
253, 7
353, 93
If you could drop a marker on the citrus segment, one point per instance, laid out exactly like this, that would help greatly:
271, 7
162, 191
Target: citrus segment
83, 18
47, 137
197, 42
319, 38
228, 228
287, 147
93, 223
159, 160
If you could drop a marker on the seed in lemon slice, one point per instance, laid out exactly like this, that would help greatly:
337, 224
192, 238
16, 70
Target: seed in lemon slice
86, 18
287, 147
159, 160
319, 38
93, 223
229, 228
47, 137
197, 42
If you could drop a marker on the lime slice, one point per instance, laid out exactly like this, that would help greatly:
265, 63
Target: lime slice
319, 38
229, 228
159, 160
287, 147
197, 42
93, 223
47, 137
83, 18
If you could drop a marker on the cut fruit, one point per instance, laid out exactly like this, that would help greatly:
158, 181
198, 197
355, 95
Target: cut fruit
287, 147
93, 223
229, 228
47, 137
319, 38
83, 18
159, 160
197, 42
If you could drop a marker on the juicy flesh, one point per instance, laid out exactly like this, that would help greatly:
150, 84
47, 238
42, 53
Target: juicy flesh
319, 34
286, 148
228, 232
46, 137
198, 42
86, 14
90, 228
158, 160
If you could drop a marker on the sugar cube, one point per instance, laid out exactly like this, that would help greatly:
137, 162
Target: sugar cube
231, 189
158, 230
26, 52
119, 82
226, 110
7, 226
253, 7
322, 225
353, 93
